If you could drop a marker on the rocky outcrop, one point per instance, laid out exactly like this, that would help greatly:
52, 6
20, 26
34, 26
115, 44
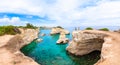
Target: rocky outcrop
56, 30
62, 39
110, 52
10, 48
87, 41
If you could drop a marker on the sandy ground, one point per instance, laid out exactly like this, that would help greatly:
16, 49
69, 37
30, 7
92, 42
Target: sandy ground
4, 39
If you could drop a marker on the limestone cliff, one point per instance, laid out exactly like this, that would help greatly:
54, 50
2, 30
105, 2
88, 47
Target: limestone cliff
87, 41
10, 48
59, 30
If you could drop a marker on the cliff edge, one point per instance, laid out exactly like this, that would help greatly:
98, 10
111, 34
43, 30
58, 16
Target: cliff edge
10, 48
87, 41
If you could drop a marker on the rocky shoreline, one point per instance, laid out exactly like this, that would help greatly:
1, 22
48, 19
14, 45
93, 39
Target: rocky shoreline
87, 41
83, 42
10, 46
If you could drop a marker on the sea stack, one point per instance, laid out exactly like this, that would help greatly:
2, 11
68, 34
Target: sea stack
58, 30
62, 38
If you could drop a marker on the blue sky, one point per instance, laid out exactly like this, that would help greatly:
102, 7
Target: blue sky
60, 12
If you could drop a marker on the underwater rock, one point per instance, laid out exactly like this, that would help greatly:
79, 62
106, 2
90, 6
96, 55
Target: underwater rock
43, 34
39, 40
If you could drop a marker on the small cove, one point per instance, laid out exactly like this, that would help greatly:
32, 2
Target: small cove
48, 52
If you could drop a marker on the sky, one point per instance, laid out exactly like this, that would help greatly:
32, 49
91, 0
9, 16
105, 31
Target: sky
60, 12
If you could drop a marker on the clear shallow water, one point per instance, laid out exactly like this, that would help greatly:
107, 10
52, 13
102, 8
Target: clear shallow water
49, 53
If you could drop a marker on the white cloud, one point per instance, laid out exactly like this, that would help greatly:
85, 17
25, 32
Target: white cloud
106, 13
11, 21
68, 12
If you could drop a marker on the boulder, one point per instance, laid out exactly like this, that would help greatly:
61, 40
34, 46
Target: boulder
39, 40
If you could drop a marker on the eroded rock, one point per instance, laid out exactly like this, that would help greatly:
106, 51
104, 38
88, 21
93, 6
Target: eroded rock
62, 39
10, 50
85, 42
56, 30
109, 45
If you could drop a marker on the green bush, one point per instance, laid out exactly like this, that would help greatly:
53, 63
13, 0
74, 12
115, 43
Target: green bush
12, 30
104, 29
28, 25
89, 28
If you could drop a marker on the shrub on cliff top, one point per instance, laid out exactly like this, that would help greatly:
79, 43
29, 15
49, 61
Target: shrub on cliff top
12, 30
104, 29
28, 25
89, 28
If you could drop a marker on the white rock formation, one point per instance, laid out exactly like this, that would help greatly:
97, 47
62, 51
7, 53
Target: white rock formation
62, 38
59, 30
83, 43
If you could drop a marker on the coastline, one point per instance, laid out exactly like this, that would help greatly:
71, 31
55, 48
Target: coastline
10, 46
109, 51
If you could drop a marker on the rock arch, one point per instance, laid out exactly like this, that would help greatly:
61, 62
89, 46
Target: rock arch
86, 41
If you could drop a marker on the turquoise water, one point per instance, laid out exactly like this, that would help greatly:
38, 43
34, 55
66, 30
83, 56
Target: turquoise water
49, 53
